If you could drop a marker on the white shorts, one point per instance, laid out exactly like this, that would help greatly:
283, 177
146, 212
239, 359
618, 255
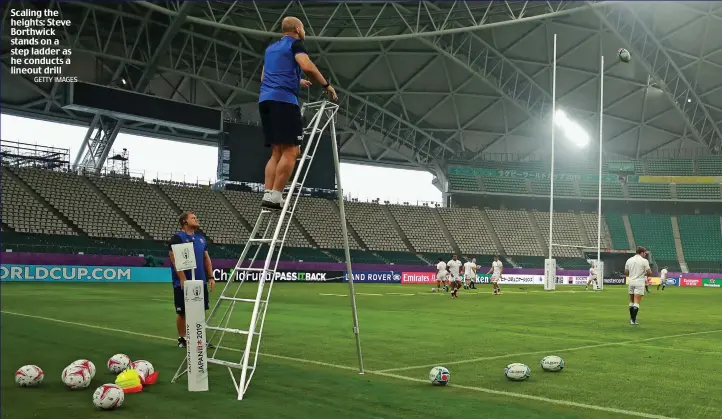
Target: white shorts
494, 279
469, 277
440, 277
636, 290
454, 277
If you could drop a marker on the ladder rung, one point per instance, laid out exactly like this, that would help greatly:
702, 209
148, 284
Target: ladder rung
227, 363
225, 329
241, 300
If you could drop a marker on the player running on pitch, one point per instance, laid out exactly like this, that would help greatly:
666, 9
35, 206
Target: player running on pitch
470, 268
496, 270
638, 271
592, 277
441, 276
662, 278
454, 266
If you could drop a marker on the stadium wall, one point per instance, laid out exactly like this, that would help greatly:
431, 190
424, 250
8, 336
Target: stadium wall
63, 259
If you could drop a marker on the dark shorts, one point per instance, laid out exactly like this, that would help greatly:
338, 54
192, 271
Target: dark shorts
282, 123
180, 302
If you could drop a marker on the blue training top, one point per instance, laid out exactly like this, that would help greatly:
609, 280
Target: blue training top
200, 245
281, 72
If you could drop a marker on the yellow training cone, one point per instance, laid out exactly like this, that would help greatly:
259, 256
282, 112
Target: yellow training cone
129, 381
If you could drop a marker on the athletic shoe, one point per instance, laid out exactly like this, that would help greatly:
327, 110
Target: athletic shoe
181, 342
635, 323
270, 204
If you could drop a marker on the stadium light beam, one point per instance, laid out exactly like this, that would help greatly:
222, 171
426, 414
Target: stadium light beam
572, 130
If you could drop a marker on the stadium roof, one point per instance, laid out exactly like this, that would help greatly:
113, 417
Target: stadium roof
420, 83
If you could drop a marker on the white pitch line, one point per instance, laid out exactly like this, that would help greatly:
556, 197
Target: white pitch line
334, 295
368, 293
379, 373
549, 351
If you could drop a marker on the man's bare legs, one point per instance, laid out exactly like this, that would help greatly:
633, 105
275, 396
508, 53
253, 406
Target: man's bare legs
278, 170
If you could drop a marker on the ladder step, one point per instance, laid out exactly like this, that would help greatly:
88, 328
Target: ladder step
260, 240
227, 363
240, 300
225, 329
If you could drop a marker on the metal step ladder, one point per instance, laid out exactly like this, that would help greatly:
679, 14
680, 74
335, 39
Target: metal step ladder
270, 232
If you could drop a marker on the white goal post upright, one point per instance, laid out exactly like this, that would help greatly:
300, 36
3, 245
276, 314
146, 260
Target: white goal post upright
599, 265
550, 264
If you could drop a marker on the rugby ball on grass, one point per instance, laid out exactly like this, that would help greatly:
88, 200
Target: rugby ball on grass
118, 363
29, 376
88, 365
108, 397
552, 363
76, 378
439, 376
517, 372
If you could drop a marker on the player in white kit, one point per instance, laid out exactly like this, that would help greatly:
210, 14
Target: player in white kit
441, 276
496, 270
592, 277
662, 278
454, 267
637, 271
470, 268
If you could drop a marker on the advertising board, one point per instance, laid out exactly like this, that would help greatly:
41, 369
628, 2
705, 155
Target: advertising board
67, 273
384, 277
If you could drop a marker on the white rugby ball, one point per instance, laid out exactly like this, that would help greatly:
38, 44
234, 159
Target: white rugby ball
119, 363
552, 363
624, 55
76, 378
517, 372
108, 397
143, 367
439, 376
29, 376
88, 365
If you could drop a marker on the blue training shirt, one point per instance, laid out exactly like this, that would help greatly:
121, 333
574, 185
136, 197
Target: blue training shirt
200, 245
281, 72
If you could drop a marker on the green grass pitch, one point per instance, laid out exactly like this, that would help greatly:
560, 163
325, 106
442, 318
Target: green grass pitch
666, 367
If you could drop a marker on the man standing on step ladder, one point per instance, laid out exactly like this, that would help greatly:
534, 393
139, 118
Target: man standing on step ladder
283, 62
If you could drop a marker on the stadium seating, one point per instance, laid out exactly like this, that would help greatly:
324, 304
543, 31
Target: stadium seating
134, 197
463, 183
701, 237
699, 192
113, 214
609, 190
710, 166
468, 230
561, 188
25, 214
216, 220
566, 232
615, 223
320, 218
671, 167
505, 185
590, 221
421, 228
374, 228
71, 195
515, 232
649, 191
654, 231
